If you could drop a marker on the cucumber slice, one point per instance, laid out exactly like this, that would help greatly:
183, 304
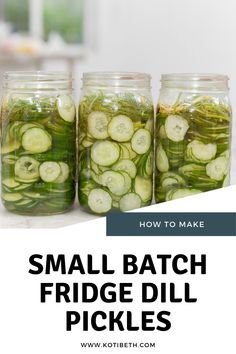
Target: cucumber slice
162, 132
125, 154
141, 141
27, 126
199, 152
34, 195
191, 167
95, 167
169, 179
176, 127
105, 153
9, 159
181, 193
226, 182
9, 144
12, 197
132, 153
130, 201
97, 125
143, 187
49, 171
99, 201
150, 125
126, 166
22, 187
149, 165
118, 183
218, 168
26, 169
66, 108
24, 202
87, 143
121, 128
64, 174
162, 162
36, 140
95, 177
10, 183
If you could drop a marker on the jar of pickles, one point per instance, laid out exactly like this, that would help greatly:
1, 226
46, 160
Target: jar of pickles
193, 135
38, 149
115, 142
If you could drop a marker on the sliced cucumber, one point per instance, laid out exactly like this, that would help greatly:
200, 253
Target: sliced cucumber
105, 153
132, 153
34, 195
124, 151
121, 128
66, 108
176, 127
169, 179
162, 132
87, 143
49, 171
95, 167
162, 162
141, 141
27, 126
26, 169
9, 144
149, 165
118, 183
95, 177
10, 183
218, 168
12, 197
191, 167
199, 152
130, 201
143, 187
181, 193
64, 174
99, 201
9, 159
226, 182
150, 125
97, 125
126, 166
36, 140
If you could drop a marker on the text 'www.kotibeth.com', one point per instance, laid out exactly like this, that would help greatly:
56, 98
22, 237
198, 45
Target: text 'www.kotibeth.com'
123, 345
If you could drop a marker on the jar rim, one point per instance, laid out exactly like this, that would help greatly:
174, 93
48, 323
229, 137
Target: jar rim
208, 77
116, 75
117, 79
201, 81
37, 76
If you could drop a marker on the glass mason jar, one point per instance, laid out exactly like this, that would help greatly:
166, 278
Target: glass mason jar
38, 148
193, 135
116, 123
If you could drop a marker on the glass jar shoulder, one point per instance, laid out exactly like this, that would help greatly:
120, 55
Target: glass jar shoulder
136, 104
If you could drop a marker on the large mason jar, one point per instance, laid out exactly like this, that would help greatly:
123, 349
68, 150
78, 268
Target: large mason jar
193, 135
116, 118
38, 145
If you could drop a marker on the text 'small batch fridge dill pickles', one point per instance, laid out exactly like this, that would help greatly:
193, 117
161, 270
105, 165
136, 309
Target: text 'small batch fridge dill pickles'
193, 135
38, 149
116, 122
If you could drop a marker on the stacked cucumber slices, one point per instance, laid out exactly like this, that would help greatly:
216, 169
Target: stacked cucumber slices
192, 146
115, 152
38, 154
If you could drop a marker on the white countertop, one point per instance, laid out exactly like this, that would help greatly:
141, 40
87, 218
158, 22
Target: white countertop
74, 216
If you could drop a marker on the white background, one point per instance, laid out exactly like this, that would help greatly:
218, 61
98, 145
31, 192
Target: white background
156, 36
207, 326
